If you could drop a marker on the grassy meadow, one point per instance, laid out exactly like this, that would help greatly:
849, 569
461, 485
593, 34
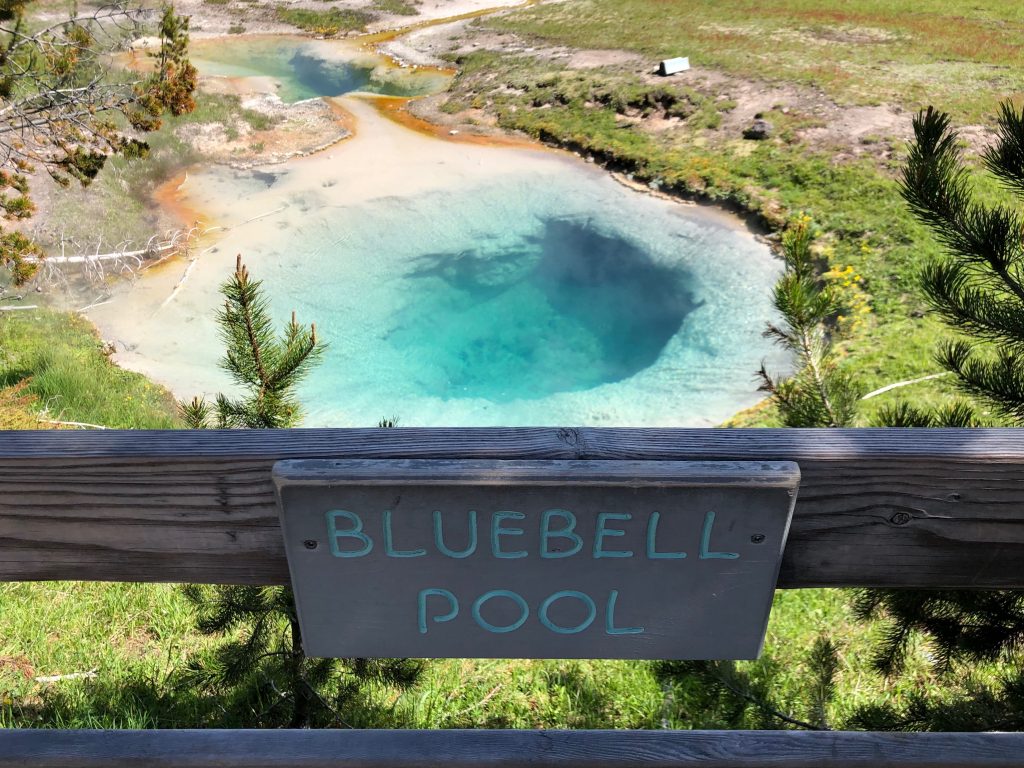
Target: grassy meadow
121, 648
860, 52
812, 72
130, 641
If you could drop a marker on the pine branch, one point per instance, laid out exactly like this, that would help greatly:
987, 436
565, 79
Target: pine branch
293, 365
766, 707
717, 677
818, 394
247, 304
1005, 159
936, 185
997, 379
195, 413
824, 664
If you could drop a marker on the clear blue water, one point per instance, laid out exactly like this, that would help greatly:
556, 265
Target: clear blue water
545, 296
525, 299
566, 308
306, 69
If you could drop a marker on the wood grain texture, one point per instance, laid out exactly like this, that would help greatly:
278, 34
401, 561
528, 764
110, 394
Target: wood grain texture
626, 473
745, 507
505, 749
876, 507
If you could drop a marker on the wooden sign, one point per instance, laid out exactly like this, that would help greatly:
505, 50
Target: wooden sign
534, 559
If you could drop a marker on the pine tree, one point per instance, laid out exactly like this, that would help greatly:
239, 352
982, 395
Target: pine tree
978, 289
262, 674
268, 369
264, 679
818, 393
722, 693
63, 111
172, 85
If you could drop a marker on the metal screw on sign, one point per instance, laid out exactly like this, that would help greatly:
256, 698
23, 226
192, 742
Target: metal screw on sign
757, 538
310, 544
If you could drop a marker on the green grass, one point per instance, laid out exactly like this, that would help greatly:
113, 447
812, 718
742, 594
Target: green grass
221, 108
962, 56
67, 372
854, 200
523, 693
330, 22
137, 638
858, 51
396, 7
132, 637
127, 186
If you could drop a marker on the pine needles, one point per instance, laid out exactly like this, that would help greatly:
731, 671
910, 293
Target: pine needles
261, 673
818, 394
267, 368
978, 288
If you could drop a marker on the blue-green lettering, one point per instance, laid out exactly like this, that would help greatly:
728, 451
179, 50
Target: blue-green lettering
609, 618
568, 531
652, 538
602, 532
355, 532
517, 599
389, 544
497, 530
705, 542
566, 593
422, 605
439, 536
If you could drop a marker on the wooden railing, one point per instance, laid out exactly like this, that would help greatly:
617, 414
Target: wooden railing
506, 749
876, 508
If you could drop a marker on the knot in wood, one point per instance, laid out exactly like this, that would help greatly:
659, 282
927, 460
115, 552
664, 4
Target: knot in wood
569, 436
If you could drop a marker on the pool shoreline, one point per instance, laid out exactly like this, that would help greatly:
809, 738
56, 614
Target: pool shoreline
380, 157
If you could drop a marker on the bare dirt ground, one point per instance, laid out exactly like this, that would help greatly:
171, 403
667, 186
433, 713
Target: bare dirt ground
307, 127
849, 130
296, 130
846, 131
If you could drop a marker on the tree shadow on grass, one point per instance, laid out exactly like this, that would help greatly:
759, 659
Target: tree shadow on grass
129, 703
585, 703
116, 703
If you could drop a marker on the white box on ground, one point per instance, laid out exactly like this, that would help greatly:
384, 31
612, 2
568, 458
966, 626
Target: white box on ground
673, 66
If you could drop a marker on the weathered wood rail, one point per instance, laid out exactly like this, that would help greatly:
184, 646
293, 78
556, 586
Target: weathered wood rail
877, 507
881, 508
507, 749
